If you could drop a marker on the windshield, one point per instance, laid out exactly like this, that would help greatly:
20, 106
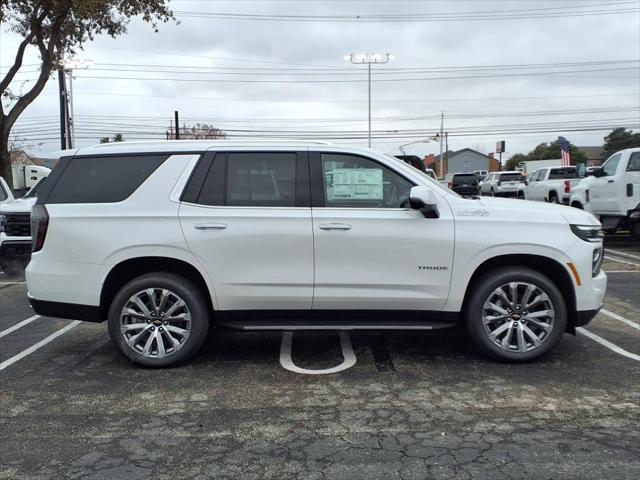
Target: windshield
559, 173
34, 190
431, 180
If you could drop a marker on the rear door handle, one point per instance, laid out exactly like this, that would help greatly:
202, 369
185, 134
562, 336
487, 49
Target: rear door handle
210, 226
335, 226
609, 181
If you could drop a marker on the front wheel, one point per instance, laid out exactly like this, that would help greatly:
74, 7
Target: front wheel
159, 320
516, 314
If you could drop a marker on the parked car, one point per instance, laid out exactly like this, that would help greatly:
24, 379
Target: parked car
481, 174
27, 176
614, 194
550, 184
15, 232
165, 240
502, 184
466, 184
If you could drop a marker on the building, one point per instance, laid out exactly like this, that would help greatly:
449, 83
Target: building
465, 160
593, 154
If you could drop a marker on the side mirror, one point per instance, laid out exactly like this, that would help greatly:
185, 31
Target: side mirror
598, 172
424, 200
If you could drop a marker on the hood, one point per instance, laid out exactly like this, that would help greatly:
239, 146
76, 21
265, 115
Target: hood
533, 211
21, 205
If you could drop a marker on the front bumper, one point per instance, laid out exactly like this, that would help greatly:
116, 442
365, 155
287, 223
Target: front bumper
15, 250
585, 316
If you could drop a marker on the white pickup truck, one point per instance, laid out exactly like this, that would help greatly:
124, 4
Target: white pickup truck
6, 195
15, 231
614, 193
550, 184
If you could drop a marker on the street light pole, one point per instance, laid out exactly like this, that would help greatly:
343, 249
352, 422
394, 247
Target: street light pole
369, 59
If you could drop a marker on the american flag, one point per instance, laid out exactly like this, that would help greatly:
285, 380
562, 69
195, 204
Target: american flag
565, 149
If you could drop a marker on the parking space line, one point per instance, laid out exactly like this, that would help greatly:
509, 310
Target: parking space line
349, 357
38, 345
617, 260
18, 325
611, 346
620, 318
624, 254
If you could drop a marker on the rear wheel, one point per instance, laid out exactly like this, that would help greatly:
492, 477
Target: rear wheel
159, 320
516, 314
553, 198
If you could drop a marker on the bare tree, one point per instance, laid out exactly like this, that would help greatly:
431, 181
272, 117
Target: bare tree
57, 28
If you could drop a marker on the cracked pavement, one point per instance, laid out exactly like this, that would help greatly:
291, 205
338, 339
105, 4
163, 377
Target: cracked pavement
415, 406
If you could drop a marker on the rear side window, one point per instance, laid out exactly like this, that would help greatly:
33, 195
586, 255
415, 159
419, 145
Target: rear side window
558, 173
251, 179
103, 179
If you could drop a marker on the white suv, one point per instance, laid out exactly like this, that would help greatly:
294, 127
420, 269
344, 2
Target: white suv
167, 239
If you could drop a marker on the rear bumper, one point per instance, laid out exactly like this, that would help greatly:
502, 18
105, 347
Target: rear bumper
71, 311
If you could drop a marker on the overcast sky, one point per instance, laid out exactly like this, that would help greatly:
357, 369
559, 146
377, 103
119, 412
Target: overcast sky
263, 74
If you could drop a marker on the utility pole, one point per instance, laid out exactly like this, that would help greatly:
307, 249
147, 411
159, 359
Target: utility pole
441, 135
446, 147
62, 87
175, 113
71, 119
369, 59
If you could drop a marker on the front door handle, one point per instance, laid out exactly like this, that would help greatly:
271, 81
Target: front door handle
609, 181
335, 226
210, 226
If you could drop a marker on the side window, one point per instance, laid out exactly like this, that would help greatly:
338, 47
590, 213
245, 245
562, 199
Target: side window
102, 179
634, 162
358, 182
610, 166
251, 179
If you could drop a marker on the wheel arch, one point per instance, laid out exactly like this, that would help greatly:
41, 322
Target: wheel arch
131, 268
549, 267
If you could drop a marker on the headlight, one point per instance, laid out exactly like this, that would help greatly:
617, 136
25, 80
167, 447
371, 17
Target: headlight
598, 257
588, 233
3, 219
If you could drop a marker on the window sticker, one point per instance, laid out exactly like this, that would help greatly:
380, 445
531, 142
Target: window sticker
354, 184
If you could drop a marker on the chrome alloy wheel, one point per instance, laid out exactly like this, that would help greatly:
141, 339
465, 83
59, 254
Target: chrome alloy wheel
518, 317
155, 322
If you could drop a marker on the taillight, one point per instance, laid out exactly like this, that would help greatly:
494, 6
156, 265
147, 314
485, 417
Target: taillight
567, 186
39, 227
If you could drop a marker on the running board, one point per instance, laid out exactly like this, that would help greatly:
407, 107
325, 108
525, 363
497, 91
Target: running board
333, 325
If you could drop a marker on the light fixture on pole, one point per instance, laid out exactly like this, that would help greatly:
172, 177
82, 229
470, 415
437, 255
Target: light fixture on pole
426, 140
69, 65
369, 59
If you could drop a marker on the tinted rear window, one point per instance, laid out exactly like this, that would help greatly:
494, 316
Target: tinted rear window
464, 178
510, 177
558, 173
103, 179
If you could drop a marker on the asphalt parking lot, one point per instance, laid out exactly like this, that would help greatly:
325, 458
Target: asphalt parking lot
413, 405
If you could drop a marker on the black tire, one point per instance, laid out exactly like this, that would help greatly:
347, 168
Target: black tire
577, 205
185, 290
520, 195
493, 194
553, 198
635, 231
482, 292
